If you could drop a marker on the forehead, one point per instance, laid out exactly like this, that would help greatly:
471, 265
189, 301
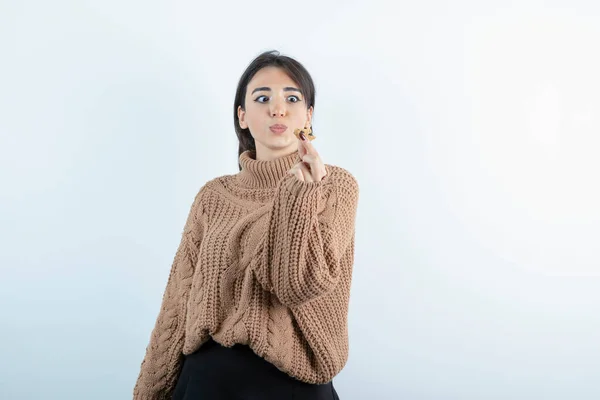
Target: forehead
271, 77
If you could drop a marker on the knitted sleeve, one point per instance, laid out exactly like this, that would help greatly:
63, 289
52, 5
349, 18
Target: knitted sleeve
310, 227
163, 358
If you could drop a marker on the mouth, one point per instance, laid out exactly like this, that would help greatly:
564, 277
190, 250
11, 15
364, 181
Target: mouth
278, 128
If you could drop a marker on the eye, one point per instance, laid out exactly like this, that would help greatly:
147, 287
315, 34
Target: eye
292, 99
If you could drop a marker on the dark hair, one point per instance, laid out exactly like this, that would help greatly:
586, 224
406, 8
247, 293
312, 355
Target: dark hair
272, 58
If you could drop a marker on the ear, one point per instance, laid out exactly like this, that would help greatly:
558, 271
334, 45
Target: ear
309, 113
242, 117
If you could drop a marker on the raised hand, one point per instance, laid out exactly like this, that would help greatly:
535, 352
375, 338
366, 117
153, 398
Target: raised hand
311, 168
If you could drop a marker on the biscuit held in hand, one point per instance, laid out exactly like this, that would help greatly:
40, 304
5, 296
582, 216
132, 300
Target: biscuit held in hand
307, 133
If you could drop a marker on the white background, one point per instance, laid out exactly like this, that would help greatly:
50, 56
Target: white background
472, 128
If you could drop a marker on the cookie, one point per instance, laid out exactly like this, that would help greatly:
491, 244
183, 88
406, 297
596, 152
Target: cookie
307, 132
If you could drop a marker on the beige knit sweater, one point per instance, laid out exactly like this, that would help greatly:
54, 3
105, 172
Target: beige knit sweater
265, 260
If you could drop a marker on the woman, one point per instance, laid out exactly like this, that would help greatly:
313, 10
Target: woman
256, 302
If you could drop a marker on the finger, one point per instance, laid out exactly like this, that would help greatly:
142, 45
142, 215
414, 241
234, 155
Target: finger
308, 146
316, 166
306, 172
295, 170
301, 147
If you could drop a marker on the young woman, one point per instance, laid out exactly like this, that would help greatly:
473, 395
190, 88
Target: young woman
256, 303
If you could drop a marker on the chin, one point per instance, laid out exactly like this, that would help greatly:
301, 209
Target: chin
279, 145
278, 142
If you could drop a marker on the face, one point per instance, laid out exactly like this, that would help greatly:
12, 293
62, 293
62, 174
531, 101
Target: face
273, 98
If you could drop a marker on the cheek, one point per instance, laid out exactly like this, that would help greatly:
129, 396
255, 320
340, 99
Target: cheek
252, 120
252, 114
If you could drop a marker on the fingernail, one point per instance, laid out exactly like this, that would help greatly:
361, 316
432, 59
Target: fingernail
302, 136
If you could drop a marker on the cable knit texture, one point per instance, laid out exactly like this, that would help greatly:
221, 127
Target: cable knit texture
264, 260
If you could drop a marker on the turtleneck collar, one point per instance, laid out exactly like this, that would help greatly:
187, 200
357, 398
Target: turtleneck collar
264, 174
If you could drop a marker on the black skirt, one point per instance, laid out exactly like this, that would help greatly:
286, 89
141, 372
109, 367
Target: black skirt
216, 372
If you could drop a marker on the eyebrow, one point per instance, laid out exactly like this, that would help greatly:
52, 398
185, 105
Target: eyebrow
268, 89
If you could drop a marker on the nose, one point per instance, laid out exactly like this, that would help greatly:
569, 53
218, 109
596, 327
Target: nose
278, 109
